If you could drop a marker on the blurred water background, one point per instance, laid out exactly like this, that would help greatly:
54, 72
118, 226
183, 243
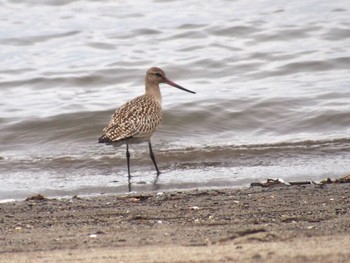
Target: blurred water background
272, 79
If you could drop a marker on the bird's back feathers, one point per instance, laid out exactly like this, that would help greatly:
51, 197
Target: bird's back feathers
138, 118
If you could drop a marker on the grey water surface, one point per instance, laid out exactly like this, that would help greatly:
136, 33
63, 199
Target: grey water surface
272, 80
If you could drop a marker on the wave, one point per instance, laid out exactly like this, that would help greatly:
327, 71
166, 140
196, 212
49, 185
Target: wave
105, 157
196, 122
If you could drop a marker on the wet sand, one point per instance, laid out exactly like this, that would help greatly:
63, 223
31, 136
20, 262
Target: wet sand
272, 224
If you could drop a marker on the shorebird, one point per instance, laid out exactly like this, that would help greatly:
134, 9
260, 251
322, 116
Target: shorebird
137, 120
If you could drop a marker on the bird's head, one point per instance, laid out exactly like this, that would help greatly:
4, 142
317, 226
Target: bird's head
155, 76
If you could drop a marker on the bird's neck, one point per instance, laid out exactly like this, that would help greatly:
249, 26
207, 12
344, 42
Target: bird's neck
154, 91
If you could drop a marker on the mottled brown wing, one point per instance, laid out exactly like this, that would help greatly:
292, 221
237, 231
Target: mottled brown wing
135, 118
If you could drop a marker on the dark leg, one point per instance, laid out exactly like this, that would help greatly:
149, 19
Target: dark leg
152, 157
129, 185
128, 160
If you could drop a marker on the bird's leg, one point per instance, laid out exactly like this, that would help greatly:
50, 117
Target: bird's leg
152, 157
129, 185
128, 160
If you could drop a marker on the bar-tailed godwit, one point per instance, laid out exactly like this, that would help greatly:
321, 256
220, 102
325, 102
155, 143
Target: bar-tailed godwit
137, 120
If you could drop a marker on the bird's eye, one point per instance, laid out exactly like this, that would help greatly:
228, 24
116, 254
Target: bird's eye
158, 74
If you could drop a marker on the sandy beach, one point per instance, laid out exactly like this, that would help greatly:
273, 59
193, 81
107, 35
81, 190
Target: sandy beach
272, 224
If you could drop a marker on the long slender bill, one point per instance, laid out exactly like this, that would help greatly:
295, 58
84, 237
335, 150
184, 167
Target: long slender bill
167, 81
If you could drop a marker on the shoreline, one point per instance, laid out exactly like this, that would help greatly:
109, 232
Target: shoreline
289, 223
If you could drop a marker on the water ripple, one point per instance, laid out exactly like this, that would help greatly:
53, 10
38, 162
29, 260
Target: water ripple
266, 73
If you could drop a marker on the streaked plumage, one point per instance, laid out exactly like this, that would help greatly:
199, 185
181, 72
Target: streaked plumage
138, 119
133, 122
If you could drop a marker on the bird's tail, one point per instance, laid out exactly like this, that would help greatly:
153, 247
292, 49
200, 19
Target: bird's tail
104, 139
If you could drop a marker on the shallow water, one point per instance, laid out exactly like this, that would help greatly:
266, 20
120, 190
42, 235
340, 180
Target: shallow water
272, 81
